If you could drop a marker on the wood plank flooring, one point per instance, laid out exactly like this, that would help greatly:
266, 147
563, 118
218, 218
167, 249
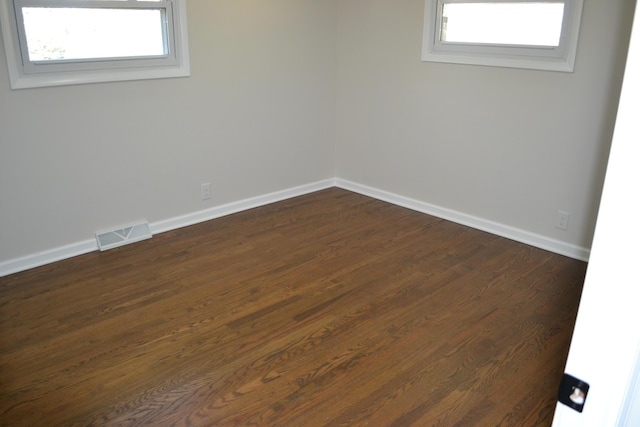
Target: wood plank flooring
330, 309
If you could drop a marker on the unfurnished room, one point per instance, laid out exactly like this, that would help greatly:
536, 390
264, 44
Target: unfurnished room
318, 213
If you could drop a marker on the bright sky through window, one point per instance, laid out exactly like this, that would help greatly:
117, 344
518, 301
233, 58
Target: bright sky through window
66, 42
89, 33
526, 24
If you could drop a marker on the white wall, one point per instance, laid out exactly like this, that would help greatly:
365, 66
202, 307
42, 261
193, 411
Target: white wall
510, 146
285, 93
256, 116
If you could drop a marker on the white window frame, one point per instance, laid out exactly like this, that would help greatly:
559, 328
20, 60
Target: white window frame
24, 73
560, 58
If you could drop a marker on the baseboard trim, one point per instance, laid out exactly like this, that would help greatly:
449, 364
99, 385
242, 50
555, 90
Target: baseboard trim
69, 251
80, 248
518, 235
235, 207
47, 257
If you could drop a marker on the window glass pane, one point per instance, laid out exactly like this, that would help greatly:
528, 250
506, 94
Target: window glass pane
523, 23
85, 33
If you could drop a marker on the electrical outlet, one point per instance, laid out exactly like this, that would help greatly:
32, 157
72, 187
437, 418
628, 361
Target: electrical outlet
205, 190
563, 220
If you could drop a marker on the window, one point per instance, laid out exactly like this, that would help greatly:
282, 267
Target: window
62, 42
506, 33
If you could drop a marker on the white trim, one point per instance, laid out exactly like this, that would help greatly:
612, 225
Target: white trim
80, 248
630, 411
47, 257
235, 207
504, 56
498, 229
522, 236
113, 71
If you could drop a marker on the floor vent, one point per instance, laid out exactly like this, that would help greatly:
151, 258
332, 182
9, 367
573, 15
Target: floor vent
123, 236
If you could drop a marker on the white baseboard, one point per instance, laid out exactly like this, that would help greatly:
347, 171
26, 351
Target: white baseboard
235, 207
498, 229
86, 246
47, 257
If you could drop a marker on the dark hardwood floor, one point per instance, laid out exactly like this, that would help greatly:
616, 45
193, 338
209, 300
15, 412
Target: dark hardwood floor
328, 309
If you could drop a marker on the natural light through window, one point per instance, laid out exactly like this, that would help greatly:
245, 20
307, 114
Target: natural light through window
538, 35
64, 42
77, 33
531, 24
